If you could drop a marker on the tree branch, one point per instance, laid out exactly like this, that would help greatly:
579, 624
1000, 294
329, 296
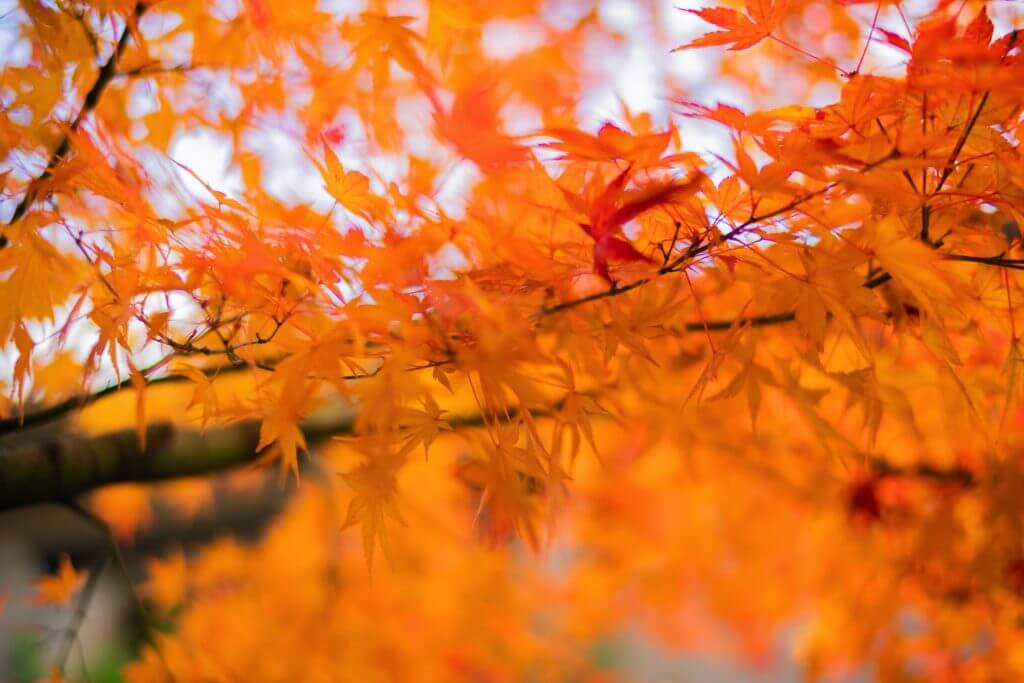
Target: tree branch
92, 99
59, 468
953, 475
62, 467
81, 611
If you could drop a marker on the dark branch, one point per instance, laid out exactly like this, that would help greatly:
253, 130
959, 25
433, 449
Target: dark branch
155, 69
81, 610
752, 321
926, 209
953, 475
59, 468
92, 99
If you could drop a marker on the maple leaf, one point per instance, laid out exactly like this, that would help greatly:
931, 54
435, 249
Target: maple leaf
59, 377
58, 589
204, 395
351, 188
23, 365
474, 126
615, 206
740, 30
35, 278
124, 508
380, 38
510, 480
283, 433
894, 39
423, 426
912, 264
610, 144
375, 485
56, 676
849, 282
167, 581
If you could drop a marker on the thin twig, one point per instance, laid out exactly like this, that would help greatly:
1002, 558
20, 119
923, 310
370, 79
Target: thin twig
79, 614
115, 553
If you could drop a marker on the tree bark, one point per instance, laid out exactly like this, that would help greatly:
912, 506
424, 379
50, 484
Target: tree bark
60, 467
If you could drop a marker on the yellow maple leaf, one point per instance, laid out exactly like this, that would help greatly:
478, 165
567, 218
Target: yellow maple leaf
35, 278
58, 378
911, 263
280, 432
351, 188
375, 485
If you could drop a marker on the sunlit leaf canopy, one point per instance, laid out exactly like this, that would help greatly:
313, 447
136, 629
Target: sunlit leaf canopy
735, 361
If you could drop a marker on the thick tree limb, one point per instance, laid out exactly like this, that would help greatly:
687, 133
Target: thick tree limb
61, 467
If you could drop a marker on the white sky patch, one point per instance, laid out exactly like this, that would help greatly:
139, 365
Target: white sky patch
631, 79
629, 69
155, 24
684, 26
208, 155
417, 120
13, 52
446, 262
288, 173
504, 39
451, 189
342, 8
621, 15
143, 100
521, 118
564, 14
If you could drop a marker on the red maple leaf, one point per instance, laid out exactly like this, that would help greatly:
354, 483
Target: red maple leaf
742, 30
616, 206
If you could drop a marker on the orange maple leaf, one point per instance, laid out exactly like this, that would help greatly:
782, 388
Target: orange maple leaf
351, 189
56, 676
124, 507
375, 485
167, 580
473, 125
610, 143
741, 30
57, 589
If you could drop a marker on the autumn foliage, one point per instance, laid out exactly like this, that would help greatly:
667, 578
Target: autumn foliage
739, 375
